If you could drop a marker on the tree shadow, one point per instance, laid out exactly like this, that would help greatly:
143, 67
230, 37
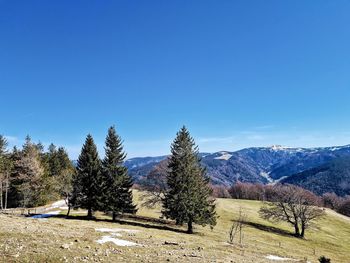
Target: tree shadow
145, 222
270, 229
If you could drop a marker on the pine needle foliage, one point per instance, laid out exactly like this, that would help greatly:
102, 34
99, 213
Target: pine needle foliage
187, 199
117, 194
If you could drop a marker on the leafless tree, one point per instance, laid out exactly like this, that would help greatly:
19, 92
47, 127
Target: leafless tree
344, 206
293, 205
331, 200
220, 191
237, 227
155, 185
28, 174
251, 191
5, 167
5, 184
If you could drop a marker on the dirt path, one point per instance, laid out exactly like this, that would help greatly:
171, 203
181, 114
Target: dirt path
52, 210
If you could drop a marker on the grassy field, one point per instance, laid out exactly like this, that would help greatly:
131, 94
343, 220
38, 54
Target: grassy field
74, 240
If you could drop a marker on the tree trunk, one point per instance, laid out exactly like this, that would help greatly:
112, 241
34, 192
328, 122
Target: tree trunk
1, 204
89, 213
297, 231
68, 211
189, 227
114, 215
302, 234
6, 190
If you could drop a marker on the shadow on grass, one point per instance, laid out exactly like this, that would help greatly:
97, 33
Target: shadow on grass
145, 222
270, 229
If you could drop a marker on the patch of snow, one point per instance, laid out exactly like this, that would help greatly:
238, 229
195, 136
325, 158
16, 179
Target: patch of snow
277, 258
48, 214
115, 230
58, 204
115, 233
335, 149
267, 176
224, 156
280, 179
117, 241
281, 148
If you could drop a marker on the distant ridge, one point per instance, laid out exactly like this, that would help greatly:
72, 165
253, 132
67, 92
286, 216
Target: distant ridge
255, 165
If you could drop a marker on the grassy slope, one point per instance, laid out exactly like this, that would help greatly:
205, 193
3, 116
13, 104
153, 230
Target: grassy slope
37, 240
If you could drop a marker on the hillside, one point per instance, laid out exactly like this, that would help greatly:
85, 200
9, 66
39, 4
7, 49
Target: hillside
331, 177
254, 165
63, 240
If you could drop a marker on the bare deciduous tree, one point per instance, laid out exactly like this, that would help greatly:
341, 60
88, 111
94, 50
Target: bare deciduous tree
237, 227
155, 185
251, 191
28, 174
331, 200
5, 167
293, 205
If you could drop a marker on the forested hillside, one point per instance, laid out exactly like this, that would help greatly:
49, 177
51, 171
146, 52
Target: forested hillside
332, 177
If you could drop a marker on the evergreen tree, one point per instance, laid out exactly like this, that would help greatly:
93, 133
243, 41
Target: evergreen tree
66, 173
53, 161
61, 170
117, 194
86, 187
187, 199
3, 145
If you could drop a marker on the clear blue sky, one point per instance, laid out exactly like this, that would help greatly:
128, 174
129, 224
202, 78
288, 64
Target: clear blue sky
237, 73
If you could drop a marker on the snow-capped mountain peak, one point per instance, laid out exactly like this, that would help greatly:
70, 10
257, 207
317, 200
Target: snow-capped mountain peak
279, 148
224, 156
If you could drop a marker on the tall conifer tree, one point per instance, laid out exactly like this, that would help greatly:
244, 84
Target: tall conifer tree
187, 199
87, 181
117, 194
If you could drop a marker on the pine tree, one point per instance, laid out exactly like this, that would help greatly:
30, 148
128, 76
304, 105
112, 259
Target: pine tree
52, 160
86, 187
117, 194
187, 199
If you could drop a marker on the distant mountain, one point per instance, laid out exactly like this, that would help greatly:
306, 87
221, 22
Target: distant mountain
137, 162
224, 168
139, 167
255, 165
333, 176
306, 159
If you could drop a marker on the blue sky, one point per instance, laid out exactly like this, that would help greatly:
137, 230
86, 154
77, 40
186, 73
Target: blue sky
237, 73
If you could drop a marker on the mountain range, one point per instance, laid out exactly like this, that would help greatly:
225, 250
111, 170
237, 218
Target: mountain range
300, 166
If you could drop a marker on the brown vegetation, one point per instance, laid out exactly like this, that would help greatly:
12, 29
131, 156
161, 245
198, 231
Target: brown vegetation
293, 205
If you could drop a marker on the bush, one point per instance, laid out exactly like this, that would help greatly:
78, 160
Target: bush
323, 259
344, 207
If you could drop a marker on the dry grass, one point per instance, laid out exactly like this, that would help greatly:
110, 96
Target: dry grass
33, 240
